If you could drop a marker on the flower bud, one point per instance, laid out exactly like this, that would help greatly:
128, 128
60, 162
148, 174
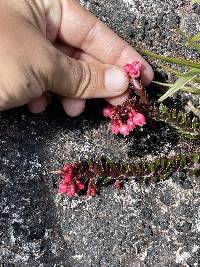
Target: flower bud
124, 130
71, 190
62, 188
81, 186
92, 191
108, 111
117, 184
131, 125
67, 178
139, 119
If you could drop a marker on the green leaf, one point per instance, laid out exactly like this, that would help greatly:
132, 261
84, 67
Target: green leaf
197, 1
196, 157
175, 72
196, 37
185, 78
179, 61
193, 90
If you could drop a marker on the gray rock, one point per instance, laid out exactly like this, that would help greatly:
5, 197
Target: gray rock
153, 225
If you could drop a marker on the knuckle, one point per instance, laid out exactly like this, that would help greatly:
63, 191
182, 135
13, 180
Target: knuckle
86, 82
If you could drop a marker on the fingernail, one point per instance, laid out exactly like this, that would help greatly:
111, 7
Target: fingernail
115, 80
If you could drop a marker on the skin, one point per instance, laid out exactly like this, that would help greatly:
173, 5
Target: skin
58, 46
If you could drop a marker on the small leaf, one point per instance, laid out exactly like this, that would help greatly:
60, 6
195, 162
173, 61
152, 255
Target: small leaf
125, 166
174, 113
174, 71
109, 161
185, 78
106, 180
183, 117
196, 157
163, 108
90, 162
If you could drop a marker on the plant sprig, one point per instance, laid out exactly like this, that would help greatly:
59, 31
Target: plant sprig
192, 67
89, 176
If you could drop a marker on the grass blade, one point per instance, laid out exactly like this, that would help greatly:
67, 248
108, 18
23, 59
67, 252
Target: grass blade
185, 78
171, 70
196, 38
193, 90
197, 1
179, 61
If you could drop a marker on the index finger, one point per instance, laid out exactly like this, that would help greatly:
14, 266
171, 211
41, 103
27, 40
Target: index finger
80, 29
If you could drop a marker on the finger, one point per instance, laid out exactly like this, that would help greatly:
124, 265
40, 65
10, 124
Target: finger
40, 104
77, 79
73, 107
96, 39
78, 54
118, 100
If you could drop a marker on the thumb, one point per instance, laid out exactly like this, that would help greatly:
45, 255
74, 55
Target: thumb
77, 79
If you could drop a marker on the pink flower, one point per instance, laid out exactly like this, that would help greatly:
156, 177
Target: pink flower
62, 188
117, 184
67, 178
81, 186
115, 128
108, 111
131, 125
71, 190
92, 191
124, 130
68, 167
139, 119
116, 124
134, 69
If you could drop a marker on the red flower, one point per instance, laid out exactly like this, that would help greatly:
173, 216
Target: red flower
81, 186
118, 184
131, 125
92, 191
68, 167
71, 189
108, 111
67, 178
133, 70
139, 119
124, 130
116, 124
62, 187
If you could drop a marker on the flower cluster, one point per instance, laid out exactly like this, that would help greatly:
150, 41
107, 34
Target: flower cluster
68, 185
133, 70
125, 117
82, 177
71, 182
88, 176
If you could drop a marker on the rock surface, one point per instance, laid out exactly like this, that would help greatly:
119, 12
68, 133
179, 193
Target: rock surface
141, 226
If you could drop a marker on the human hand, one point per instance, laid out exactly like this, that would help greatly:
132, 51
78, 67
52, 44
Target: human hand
58, 46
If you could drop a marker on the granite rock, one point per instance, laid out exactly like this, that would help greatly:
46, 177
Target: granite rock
153, 225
